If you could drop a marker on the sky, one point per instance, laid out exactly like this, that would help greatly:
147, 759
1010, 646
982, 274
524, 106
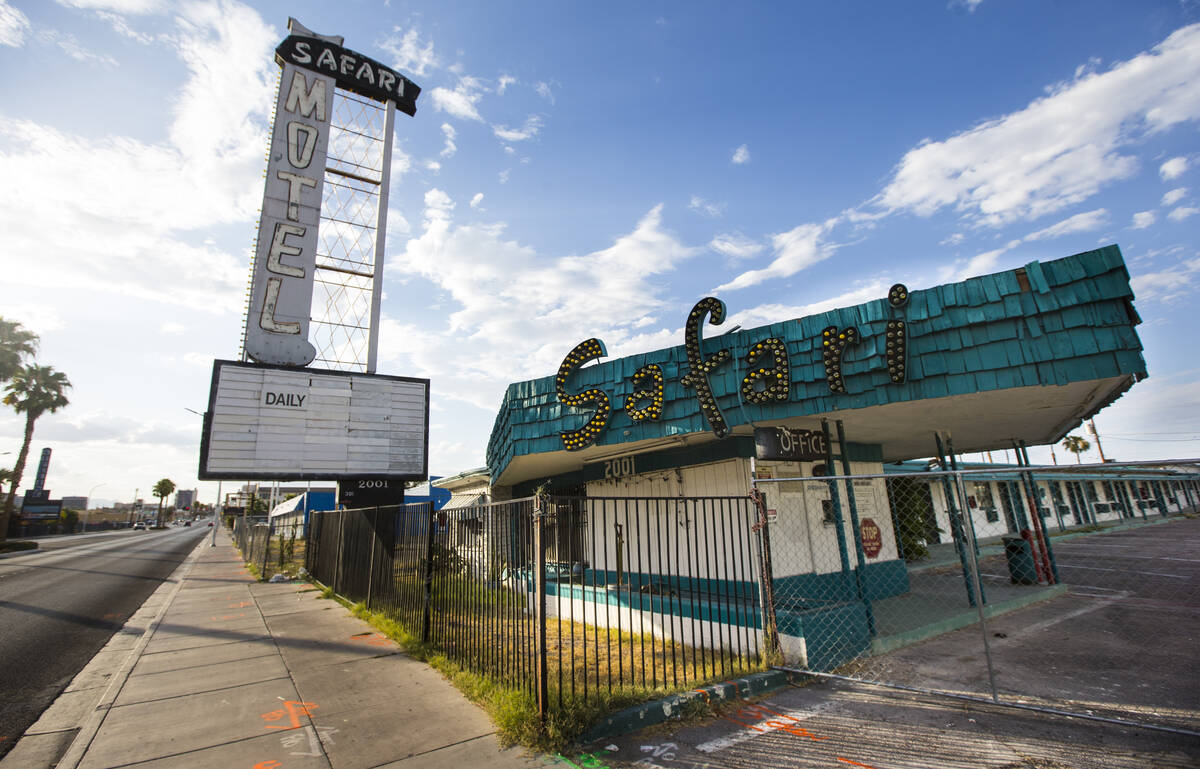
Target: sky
578, 170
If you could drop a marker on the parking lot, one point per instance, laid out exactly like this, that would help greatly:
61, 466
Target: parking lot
1120, 644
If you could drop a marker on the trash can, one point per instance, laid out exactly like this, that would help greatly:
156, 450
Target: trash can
1021, 568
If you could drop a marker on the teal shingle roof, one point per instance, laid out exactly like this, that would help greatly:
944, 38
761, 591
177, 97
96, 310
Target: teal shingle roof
1075, 323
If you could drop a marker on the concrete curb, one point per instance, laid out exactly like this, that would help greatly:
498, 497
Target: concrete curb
88, 729
672, 707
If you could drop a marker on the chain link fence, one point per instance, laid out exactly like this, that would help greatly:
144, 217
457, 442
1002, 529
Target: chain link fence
1066, 588
269, 548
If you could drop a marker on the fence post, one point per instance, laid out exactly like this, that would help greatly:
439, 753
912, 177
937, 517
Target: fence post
859, 573
371, 561
978, 588
337, 563
428, 599
1038, 529
836, 503
767, 580
543, 694
956, 523
266, 551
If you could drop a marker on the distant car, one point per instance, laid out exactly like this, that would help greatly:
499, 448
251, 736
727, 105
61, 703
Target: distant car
210, 523
139, 525
187, 523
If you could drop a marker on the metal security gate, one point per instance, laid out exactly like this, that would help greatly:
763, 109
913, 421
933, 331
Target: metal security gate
1065, 589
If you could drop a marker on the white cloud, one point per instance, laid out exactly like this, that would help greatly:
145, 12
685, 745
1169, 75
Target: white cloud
502, 177
705, 208
736, 246
774, 313
1171, 197
451, 135
952, 239
970, 5
477, 200
410, 55
543, 90
1183, 212
517, 313
980, 264
155, 196
171, 327
1167, 285
433, 165
1043, 158
1173, 168
795, 250
741, 155
503, 84
1143, 219
462, 101
71, 46
116, 6
1085, 222
13, 25
533, 124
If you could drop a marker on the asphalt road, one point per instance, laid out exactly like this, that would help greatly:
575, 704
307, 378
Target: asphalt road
59, 606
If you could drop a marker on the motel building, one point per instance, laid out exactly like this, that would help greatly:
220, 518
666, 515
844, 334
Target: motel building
1015, 358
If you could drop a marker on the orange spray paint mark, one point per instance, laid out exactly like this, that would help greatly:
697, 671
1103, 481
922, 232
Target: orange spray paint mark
293, 710
854, 763
268, 764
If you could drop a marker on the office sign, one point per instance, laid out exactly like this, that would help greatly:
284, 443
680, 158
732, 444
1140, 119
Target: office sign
278, 423
787, 443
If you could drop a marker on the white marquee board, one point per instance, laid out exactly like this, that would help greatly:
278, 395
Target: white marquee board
280, 423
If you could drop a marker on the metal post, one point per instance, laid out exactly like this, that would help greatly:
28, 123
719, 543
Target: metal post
217, 510
978, 588
389, 122
425, 610
266, 550
371, 561
770, 625
956, 527
1039, 530
836, 502
341, 541
543, 694
858, 547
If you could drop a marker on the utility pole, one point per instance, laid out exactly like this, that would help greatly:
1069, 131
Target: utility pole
1096, 435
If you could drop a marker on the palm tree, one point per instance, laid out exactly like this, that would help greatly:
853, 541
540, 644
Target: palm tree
1076, 445
162, 490
33, 390
16, 344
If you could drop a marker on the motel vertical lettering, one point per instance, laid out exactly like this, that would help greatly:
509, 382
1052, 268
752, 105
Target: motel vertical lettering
285, 257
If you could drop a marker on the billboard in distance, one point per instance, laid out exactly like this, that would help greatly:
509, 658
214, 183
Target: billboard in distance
283, 423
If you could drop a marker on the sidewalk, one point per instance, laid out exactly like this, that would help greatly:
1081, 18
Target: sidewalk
217, 670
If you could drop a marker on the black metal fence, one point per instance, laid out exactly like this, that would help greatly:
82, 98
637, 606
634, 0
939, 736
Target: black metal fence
566, 598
